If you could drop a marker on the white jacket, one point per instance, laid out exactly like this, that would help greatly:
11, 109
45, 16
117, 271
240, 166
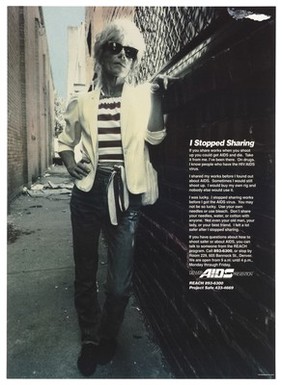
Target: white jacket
81, 124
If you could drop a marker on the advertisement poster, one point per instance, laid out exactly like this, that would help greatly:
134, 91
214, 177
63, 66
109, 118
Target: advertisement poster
204, 280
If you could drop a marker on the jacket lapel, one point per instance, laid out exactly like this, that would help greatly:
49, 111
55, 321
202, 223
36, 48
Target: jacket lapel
93, 114
124, 111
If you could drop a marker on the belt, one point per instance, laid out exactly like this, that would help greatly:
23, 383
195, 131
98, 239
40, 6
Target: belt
117, 193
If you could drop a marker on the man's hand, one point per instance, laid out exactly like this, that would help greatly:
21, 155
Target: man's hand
161, 83
79, 170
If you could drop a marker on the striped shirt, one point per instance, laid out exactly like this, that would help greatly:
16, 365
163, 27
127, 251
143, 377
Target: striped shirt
109, 132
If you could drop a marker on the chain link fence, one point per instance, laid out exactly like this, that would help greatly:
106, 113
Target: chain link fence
167, 31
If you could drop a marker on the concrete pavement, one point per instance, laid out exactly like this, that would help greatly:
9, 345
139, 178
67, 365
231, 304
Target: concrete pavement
43, 336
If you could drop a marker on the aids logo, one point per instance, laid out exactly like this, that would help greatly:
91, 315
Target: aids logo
217, 273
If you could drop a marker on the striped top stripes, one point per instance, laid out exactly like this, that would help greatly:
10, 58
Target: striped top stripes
109, 132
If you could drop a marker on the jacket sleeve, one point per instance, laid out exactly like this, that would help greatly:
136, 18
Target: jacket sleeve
155, 137
152, 137
71, 134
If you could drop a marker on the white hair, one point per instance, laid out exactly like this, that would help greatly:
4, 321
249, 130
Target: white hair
119, 29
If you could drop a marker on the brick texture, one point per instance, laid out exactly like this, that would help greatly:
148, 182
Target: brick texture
30, 98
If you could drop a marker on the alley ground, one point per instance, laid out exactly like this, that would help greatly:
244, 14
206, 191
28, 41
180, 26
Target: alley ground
43, 338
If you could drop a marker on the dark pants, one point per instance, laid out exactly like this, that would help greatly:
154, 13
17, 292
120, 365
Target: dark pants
89, 214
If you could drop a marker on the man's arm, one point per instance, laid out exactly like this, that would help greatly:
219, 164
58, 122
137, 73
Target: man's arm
77, 170
156, 119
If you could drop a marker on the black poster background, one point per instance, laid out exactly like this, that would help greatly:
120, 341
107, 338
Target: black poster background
226, 91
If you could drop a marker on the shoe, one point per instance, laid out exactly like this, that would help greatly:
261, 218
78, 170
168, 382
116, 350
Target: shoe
87, 360
106, 351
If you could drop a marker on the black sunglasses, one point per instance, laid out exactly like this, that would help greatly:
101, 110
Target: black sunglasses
115, 49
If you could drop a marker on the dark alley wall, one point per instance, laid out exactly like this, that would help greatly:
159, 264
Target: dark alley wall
30, 98
226, 90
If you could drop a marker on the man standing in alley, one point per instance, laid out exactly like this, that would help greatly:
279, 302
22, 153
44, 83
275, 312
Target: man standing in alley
114, 123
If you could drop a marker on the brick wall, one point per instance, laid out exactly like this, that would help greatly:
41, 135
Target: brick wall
226, 91
17, 172
30, 98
